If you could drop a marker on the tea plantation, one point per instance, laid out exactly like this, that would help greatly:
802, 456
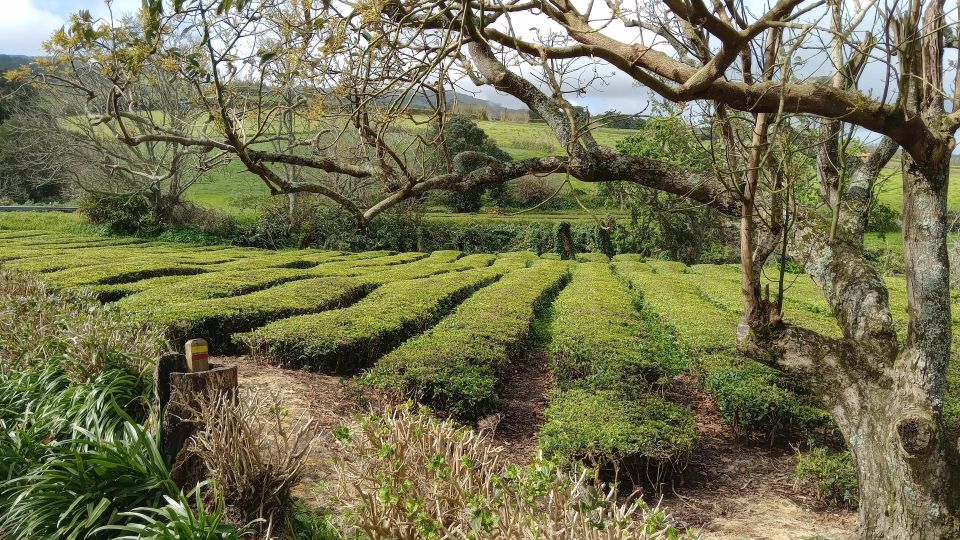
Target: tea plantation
444, 328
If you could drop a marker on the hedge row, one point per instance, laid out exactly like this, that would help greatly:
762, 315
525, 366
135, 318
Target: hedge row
456, 366
751, 396
171, 287
674, 296
605, 357
600, 340
353, 337
216, 319
160, 295
119, 272
208, 285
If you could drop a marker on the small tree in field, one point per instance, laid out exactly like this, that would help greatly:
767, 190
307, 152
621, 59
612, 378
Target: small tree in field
749, 68
457, 135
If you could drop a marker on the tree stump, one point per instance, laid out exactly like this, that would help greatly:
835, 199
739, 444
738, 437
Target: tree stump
180, 394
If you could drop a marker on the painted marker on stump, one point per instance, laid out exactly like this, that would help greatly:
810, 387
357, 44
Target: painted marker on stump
197, 354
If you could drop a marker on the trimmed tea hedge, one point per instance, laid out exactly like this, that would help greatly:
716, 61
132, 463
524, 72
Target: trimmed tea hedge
626, 435
217, 319
601, 341
353, 337
456, 365
121, 272
210, 285
700, 326
751, 396
605, 356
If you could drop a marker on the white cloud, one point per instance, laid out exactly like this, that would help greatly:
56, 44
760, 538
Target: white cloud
24, 27
26, 24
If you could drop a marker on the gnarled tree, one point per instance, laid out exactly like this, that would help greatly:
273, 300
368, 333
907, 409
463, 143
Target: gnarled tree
357, 65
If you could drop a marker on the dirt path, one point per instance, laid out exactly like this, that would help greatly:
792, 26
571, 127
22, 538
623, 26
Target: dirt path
733, 489
736, 488
525, 392
328, 399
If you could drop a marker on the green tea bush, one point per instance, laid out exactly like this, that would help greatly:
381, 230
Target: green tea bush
353, 337
205, 286
217, 319
600, 339
753, 397
120, 272
673, 295
606, 355
831, 474
457, 365
607, 431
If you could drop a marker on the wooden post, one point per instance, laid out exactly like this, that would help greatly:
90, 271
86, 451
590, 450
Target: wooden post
181, 387
197, 352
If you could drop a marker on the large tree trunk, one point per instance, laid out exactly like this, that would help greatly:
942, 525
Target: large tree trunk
902, 468
886, 399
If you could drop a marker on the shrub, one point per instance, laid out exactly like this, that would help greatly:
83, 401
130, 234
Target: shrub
461, 134
644, 435
831, 474
882, 218
121, 214
205, 286
753, 397
435, 480
600, 340
219, 317
352, 337
457, 364
254, 456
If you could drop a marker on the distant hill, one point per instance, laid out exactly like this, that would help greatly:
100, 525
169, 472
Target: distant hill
421, 101
13, 61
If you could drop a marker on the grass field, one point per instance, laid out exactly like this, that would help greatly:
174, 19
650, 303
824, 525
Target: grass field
225, 187
890, 187
444, 328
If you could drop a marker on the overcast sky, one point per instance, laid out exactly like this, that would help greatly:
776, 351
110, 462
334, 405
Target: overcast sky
25, 24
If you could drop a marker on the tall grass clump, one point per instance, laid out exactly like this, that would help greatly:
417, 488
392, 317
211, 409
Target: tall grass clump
75, 392
71, 331
406, 474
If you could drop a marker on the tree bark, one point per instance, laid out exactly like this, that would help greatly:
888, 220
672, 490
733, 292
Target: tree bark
180, 420
887, 400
